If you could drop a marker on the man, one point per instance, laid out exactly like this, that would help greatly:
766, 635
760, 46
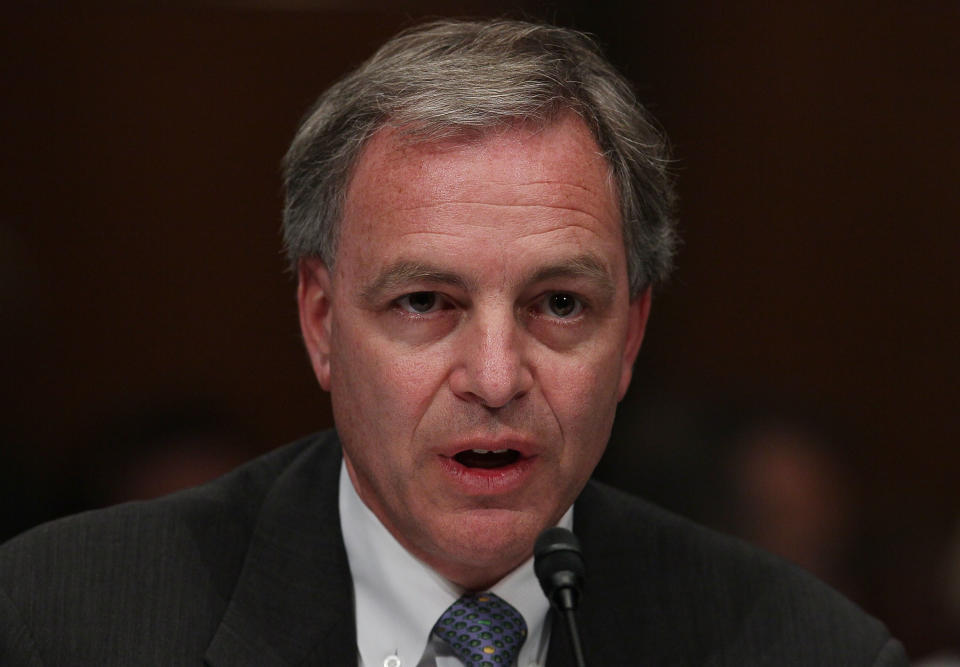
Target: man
476, 216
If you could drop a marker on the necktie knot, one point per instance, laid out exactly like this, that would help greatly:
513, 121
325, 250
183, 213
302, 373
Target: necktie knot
483, 630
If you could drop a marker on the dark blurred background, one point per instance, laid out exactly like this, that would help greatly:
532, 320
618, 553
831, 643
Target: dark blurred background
798, 385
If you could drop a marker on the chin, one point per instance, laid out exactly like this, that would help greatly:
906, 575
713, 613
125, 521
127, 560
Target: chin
487, 544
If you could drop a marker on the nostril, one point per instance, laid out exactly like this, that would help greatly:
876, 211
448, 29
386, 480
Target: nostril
492, 366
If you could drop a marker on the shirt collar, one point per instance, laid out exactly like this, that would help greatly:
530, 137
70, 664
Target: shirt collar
399, 598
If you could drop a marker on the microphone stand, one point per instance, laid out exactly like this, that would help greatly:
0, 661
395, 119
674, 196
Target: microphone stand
564, 601
559, 566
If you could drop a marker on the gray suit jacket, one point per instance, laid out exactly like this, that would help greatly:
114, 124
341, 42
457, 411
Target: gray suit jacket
251, 570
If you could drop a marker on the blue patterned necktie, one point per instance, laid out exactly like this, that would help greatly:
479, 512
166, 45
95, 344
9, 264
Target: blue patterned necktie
483, 630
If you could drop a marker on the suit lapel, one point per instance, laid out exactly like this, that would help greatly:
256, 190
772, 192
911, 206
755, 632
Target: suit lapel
612, 607
293, 602
560, 654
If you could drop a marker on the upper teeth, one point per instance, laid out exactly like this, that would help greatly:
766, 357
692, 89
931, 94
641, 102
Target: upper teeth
487, 451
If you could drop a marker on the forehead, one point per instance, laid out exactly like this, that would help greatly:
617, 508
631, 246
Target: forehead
394, 164
519, 182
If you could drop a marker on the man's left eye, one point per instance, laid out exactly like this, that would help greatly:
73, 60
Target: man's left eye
562, 305
420, 303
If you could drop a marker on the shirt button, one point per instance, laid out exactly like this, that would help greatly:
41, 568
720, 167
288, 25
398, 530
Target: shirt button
391, 661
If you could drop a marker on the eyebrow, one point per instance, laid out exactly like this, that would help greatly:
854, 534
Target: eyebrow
583, 266
404, 272
398, 275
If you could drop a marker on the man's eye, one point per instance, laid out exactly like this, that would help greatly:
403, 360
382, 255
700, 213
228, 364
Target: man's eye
419, 302
563, 305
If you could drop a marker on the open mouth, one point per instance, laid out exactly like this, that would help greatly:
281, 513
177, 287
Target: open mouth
487, 458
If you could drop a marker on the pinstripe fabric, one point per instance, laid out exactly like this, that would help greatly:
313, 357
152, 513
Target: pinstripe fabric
251, 570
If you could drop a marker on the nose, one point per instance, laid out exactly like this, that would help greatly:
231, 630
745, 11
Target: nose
492, 366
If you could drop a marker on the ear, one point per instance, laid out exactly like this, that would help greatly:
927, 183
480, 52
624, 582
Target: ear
313, 299
636, 326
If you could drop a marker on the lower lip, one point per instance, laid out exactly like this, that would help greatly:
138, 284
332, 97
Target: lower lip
488, 481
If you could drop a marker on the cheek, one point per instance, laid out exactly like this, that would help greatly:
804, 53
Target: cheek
393, 385
583, 396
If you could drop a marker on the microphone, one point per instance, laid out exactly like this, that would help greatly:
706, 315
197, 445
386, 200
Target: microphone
559, 567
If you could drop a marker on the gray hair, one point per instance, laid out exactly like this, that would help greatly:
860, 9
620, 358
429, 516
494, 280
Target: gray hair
447, 78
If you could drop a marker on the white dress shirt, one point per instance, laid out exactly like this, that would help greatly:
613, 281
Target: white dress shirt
399, 599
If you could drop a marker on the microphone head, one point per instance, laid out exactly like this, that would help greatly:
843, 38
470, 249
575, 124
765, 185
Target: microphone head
559, 566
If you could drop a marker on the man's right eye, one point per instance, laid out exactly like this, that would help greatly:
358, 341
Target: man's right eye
419, 303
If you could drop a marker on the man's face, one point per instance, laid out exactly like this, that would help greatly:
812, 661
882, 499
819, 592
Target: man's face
475, 336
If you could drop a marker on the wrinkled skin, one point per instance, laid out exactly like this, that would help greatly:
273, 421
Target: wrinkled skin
479, 300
